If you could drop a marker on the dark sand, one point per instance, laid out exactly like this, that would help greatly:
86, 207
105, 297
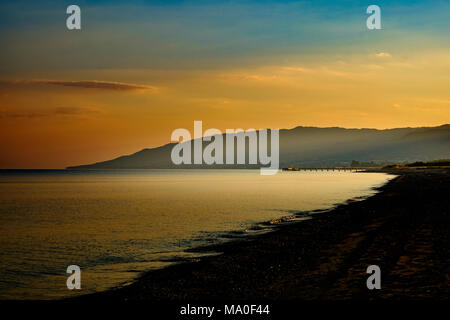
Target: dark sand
404, 229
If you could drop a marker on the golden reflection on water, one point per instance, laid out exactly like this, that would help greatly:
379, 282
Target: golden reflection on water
117, 224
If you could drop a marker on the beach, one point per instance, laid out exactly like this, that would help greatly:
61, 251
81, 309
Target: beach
404, 229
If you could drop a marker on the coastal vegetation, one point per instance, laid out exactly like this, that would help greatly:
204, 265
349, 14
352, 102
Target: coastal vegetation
442, 163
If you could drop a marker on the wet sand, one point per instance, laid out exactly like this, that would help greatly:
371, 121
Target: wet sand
404, 229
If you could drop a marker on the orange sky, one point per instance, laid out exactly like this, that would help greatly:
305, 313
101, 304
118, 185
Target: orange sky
59, 108
57, 124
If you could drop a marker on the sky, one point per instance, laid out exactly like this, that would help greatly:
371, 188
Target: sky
137, 70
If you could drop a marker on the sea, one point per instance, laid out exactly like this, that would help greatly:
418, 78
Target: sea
117, 224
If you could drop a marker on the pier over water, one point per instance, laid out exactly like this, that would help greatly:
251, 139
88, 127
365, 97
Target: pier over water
351, 169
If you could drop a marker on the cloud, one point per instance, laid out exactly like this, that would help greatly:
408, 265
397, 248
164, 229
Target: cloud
74, 111
85, 84
374, 67
247, 76
383, 55
298, 69
59, 112
323, 70
29, 115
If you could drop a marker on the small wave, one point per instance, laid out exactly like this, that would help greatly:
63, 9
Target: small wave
281, 220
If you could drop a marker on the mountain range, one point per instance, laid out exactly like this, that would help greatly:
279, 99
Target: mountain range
318, 147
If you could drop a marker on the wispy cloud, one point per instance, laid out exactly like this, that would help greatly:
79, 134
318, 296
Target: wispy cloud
298, 69
29, 115
59, 111
85, 84
74, 111
383, 55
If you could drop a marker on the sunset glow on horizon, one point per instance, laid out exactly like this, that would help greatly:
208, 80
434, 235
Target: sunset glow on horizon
134, 73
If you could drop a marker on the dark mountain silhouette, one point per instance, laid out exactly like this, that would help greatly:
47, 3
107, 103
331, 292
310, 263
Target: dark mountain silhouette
319, 147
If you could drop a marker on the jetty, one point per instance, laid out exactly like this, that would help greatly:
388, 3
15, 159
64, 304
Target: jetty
351, 169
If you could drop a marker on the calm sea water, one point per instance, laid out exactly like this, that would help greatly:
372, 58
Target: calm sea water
116, 224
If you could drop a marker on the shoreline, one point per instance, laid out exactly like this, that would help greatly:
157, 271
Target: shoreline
324, 257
